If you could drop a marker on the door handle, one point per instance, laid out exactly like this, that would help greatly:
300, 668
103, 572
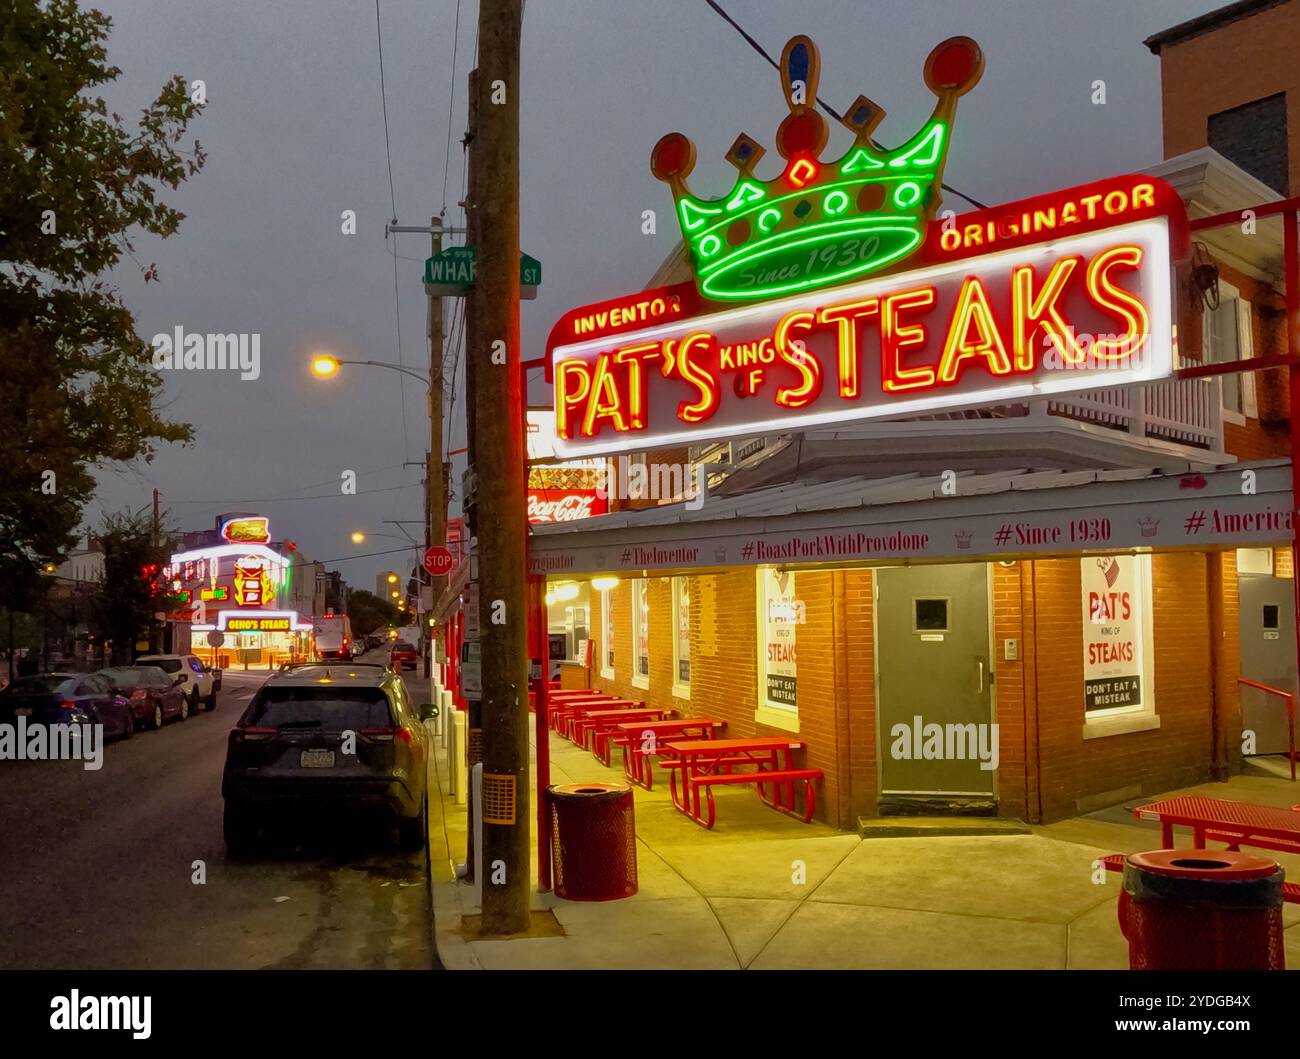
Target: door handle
979, 686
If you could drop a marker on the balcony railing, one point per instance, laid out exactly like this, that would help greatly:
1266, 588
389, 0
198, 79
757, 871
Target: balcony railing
1187, 411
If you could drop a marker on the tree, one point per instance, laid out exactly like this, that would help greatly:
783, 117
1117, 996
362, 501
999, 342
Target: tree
77, 384
367, 612
132, 590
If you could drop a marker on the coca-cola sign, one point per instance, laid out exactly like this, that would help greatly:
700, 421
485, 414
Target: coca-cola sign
564, 505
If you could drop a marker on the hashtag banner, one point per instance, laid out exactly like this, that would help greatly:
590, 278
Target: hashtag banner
1103, 516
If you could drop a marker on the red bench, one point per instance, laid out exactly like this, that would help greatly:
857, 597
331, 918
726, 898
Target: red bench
637, 759
597, 724
705, 763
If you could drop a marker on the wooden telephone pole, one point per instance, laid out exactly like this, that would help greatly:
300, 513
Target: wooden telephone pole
502, 528
435, 485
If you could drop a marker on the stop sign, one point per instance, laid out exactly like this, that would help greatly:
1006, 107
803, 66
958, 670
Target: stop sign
438, 561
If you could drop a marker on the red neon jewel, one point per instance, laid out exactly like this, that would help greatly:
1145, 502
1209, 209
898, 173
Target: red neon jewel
801, 172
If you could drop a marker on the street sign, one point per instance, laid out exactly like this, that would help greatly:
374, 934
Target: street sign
471, 670
452, 272
471, 612
438, 560
216, 639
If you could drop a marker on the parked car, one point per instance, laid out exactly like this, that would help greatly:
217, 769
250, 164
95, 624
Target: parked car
201, 683
403, 652
286, 757
67, 698
373, 640
154, 695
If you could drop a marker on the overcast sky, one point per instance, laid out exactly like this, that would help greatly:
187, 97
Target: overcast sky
294, 132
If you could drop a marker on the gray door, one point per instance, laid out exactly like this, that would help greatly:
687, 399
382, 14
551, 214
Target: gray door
1268, 655
932, 650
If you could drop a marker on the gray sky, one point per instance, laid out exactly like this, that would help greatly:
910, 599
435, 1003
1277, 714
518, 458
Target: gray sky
294, 133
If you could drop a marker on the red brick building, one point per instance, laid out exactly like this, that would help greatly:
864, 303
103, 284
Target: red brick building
1011, 639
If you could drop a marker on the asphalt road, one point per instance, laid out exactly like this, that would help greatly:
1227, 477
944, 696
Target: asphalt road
98, 869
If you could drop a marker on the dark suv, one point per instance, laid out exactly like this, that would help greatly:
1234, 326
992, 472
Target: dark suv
332, 740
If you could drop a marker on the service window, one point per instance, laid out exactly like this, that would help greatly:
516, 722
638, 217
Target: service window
682, 637
607, 635
640, 633
780, 612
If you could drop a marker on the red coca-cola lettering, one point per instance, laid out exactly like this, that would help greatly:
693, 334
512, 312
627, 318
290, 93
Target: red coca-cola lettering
564, 506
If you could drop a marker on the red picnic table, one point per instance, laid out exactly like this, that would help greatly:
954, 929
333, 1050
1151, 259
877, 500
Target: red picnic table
637, 764
1236, 823
574, 726
599, 724
561, 709
706, 763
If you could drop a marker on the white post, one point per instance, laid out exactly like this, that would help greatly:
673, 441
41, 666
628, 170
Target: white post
460, 779
445, 710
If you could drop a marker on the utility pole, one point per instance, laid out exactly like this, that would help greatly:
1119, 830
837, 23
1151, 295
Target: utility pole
435, 489
502, 524
154, 643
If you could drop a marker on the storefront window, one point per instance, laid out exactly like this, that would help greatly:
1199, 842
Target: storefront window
1116, 602
682, 636
1227, 337
640, 634
778, 612
606, 636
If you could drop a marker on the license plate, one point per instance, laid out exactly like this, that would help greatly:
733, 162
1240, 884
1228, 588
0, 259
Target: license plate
23, 711
316, 759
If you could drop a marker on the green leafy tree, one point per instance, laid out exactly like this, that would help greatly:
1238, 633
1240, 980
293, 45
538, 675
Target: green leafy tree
367, 612
132, 590
77, 384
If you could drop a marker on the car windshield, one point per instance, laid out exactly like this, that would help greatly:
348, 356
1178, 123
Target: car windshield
125, 678
331, 709
403, 647
167, 665
42, 684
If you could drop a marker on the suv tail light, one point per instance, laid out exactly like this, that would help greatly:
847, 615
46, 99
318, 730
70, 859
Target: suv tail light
252, 735
67, 705
139, 694
386, 735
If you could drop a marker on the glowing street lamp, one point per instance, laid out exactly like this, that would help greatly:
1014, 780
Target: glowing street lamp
358, 537
392, 579
323, 366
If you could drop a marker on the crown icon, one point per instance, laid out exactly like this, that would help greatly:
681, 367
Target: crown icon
1147, 525
818, 222
962, 538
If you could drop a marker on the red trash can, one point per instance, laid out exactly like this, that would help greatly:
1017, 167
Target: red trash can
593, 841
1202, 910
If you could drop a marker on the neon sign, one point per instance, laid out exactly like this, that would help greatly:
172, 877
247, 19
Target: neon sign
258, 625
1060, 293
818, 223
253, 586
246, 529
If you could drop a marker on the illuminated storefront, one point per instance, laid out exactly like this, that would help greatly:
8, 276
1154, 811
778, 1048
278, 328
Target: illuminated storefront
240, 588
1045, 559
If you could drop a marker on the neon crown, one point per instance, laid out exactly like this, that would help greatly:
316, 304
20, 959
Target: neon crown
818, 223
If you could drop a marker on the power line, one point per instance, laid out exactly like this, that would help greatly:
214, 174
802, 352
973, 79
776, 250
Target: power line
451, 98
383, 98
820, 102
282, 499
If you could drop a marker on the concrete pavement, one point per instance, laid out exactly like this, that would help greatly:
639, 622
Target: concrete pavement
763, 890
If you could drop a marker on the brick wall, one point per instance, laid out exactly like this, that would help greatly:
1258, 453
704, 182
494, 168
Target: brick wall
1230, 66
1176, 754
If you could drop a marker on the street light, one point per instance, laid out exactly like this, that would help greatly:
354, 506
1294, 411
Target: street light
358, 537
392, 579
326, 366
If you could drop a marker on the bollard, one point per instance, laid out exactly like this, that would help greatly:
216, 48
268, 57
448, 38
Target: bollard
444, 715
456, 759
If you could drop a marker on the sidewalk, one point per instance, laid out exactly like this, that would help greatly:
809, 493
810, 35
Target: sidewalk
763, 890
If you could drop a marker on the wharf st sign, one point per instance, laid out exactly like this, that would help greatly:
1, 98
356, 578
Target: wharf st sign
452, 272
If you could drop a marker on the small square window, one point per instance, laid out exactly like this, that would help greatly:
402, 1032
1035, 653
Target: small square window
931, 615
1272, 615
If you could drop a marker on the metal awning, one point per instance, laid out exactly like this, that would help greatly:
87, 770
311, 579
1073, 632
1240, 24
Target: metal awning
927, 517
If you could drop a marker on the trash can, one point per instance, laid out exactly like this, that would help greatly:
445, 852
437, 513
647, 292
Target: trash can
1202, 910
593, 841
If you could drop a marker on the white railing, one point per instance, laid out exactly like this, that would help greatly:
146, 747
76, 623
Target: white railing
1187, 411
